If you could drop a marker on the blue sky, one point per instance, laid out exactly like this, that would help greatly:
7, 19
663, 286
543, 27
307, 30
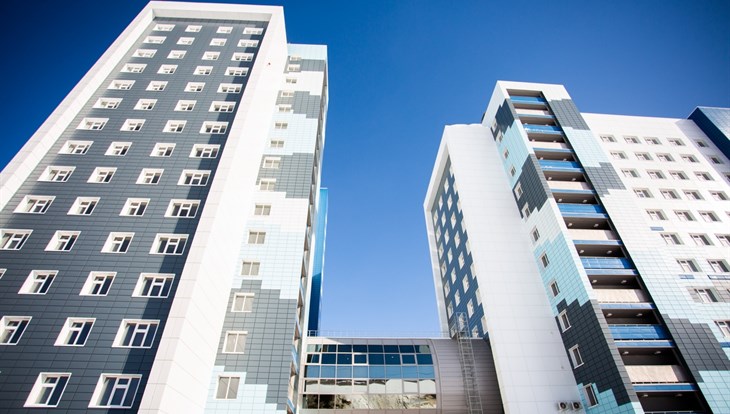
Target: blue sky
399, 71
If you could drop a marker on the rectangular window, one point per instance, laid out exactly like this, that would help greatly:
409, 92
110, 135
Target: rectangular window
281, 125
157, 86
242, 302
170, 244
210, 127
176, 54
167, 69
235, 342
669, 194
218, 42
554, 288
724, 328
174, 126
163, 27
718, 196
185, 105
102, 175
145, 104
267, 184
709, 216
155, 40
203, 70
132, 125
643, 156
12, 328
655, 175
136, 333
284, 108
117, 242
665, 158
718, 265
687, 265
630, 173
193, 28
98, 284
703, 176
271, 163
83, 206
154, 285
564, 321
684, 215
186, 41
211, 55
92, 124
688, 158
676, 142
256, 237
204, 151
700, 239
144, 53
56, 174
32, 204
692, 195
544, 260
115, 391
233, 71
121, 85
535, 234
291, 80
227, 388
194, 177
724, 239
135, 207
656, 215
276, 143
262, 210
652, 141
230, 88
293, 68
13, 239
248, 43
705, 295
631, 140
716, 160
254, 31
150, 176
678, 175
107, 103
182, 208
162, 150
75, 332
48, 389
242, 57
38, 282
222, 106
63, 241
642, 193
194, 87
224, 29
250, 268
619, 155
671, 239
118, 149
134, 67
575, 356
590, 395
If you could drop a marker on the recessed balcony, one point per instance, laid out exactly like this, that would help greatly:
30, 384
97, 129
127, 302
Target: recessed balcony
582, 210
638, 331
528, 102
606, 263
657, 374
554, 154
569, 185
593, 235
621, 295
545, 145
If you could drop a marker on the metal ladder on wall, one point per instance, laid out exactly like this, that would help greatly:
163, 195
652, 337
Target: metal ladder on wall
468, 364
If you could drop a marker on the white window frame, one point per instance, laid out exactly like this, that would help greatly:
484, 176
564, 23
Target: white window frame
237, 335
165, 241
222, 106
203, 70
154, 40
92, 124
121, 85
236, 71
118, 149
133, 206
276, 143
194, 178
193, 28
132, 125
256, 237
11, 335
134, 67
271, 163
225, 29
267, 184
254, 31
210, 55
230, 88
68, 330
144, 53
186, 41
116, 241
183, 205
214, 128
262, 209
102, 280
38, 282
56, 174
163, 149
167, 69
185, 105
250, 267
102, 175
83, 206
63, 241
141, 329
590, 395
41, 384
242, 57
217, 42
158, 283
145, 104
174, 126
132, 385
177, 54
150, 176
576, 359
34, 204
157, 86
228, 393
245, 304
163, 27
563, 320
194, 86
205, 151
107, 103
248, 43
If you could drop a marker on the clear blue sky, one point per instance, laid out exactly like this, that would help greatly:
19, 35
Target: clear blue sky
399, 71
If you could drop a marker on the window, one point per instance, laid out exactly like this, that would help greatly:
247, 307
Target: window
48, 389
718, 195
669, 194
203, 70
117, 242
63, 241
709, 216
242, 57
33, 204
526, 211
535, 234
174, 126
630, 173
575, 356
590, 395
544, 260
185, 105
701, 144
211, 55
242, 302
175, 54
608, 138
218, 42
703, 176
193, 28
254, 31
643, 156
248, 43
671, 239
121, 85
652, 141
150, 176
93, 124
102, 175
724, 239
136, 333
107, 103
232, 71
12, 328
469, 308
38, 282
13, 239
135, 207
655, 175
262, 210
182, 208
250, 268
564, 321
157, 86
618, 155
718, 265
284, 108
173, 244
665, 157
267, 184
132, 125
229, 88
676, 142
155, 40
700, 239
716, 160
688, 158
118, 149
724, 328
291, 80
684, 215
271, 163
194, 177
57, 174
210, 127
134, 67
75, 332
293, 68
224, 29
692, 195
678, 175
705, 295
83, 206
235, 342
115, 391
219, 106
98, 283
554, 288
517, 191
656, 215
631, 140
642, 193
163, 27
204, 151
154, 285
144, 53
457, 298
276, 143
256, 237
687, 265
186, 41
145, 104
281, 125
227, 388
194, 87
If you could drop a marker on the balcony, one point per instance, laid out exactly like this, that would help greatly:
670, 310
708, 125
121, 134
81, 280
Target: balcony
542, 145
560, 165
656, 374
581, 235
527, 101
582, 210
628, 332
621, 295
534, 112
606, 263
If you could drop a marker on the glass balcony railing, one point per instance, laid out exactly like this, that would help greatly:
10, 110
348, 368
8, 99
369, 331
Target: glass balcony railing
560, 165
638, 332
573, 210
542, 128
527, 99
605, 263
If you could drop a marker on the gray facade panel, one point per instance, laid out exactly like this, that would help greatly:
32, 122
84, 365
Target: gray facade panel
294, 176
535, 189
567, 114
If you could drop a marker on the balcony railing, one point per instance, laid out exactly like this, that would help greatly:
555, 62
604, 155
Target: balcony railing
560, 165
638, 332
542, 128
591, 234
605, 263
581, 210
527, 99
656, 374
621, 295
538, 145
569, 185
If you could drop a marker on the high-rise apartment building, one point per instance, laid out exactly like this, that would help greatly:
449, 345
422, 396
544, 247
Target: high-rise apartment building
158, 230
591, 250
